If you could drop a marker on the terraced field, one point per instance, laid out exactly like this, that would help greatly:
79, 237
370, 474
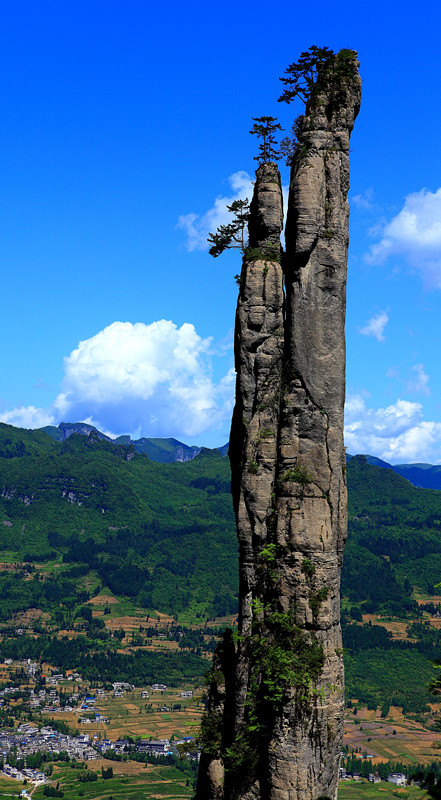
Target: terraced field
362, 790
130, 782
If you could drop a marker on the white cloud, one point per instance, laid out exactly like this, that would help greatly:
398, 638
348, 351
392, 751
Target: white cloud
376, 325
151, 380
198, 227
415, 234
393, 373
418, 381
134, 377
397, 434
27, 417
226, 345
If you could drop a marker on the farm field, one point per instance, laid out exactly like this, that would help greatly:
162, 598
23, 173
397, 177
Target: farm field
394, 738
8, 787
363, 790
132, 715
130, 781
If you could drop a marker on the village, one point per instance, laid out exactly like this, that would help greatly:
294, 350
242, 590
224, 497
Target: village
27, 740
70, 702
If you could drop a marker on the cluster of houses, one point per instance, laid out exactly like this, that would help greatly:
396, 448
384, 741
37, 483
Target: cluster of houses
397, 778
49, 701
151, 747
30, 775
45, 701
27, 740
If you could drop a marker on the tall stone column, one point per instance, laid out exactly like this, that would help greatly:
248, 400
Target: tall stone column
311, 495
274, 724
258, 347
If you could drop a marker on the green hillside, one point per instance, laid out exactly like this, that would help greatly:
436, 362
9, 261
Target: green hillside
161, 534
393, 551
87, 516
394, 539
89, 500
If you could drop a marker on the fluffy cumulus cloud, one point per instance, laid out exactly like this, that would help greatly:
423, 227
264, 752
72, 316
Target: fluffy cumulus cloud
151, 380
376, 325
397, 434
197, 226
415, 235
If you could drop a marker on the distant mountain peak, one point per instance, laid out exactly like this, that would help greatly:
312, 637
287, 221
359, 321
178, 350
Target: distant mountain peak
165, 450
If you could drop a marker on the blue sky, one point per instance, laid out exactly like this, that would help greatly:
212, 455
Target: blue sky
124, 132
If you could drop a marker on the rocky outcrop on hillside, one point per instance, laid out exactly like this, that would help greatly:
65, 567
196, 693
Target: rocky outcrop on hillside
274, 724
67, 429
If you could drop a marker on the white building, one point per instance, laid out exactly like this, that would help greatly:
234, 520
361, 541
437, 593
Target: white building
397, 778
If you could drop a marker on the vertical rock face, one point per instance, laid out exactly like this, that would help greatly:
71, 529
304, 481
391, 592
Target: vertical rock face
276, 698
259, 339
259, 342
311, 501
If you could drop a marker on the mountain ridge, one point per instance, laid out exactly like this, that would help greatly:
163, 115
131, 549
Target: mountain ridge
159, 449
167, 450
421, 475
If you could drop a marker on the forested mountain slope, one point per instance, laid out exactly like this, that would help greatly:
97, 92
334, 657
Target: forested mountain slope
394, 539
426, 476
85, 515
164, 534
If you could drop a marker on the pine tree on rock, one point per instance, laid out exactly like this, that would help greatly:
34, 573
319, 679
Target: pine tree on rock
233, 235
264, 128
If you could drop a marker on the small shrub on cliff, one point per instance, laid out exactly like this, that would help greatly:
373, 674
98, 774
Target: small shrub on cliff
308, 568
297, 474
270, 253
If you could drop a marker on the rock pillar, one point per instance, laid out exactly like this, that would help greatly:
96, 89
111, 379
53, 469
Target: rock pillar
274, 726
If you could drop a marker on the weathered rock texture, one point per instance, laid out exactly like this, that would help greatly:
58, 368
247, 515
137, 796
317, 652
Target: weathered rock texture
274, 726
